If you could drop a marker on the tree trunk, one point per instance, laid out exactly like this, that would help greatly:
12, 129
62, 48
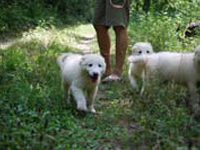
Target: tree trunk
146, 5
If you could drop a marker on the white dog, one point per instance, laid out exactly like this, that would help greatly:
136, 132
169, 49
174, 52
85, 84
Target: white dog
135, 70
142, 48
81, 76
183, 68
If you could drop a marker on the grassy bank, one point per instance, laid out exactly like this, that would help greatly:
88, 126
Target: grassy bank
34, 115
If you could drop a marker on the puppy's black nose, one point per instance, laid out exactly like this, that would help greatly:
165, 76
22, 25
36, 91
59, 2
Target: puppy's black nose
95, 74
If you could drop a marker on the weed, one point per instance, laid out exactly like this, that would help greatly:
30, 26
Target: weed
34, 114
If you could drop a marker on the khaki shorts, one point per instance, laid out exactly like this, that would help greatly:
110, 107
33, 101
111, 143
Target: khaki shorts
106, 14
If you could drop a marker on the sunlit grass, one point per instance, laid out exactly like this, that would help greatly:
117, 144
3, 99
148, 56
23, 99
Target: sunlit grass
34, 114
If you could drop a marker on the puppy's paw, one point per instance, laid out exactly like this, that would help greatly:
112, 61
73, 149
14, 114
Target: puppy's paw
82, 108
134, 86
92, 110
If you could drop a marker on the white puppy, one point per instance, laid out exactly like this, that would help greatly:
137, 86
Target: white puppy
183, 68
135, 71
142, 48
81, 76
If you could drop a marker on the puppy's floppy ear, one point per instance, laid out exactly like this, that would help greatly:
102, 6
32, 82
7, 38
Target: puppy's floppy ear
134, 48
150, 45
82, 62
132, 44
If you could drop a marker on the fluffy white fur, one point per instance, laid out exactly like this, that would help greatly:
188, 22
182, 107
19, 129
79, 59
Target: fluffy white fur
81, 76
142, 48
183, 68
135, 70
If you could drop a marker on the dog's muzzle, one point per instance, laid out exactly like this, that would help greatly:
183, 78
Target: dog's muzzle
94, 77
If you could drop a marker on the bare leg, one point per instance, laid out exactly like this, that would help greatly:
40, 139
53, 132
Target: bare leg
104, 45
121, 48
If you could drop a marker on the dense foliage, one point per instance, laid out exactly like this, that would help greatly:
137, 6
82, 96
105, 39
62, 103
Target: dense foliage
34, 114
23, 14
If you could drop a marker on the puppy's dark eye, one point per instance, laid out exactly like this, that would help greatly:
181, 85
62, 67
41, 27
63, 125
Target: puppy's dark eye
100, 65
148, 51
90, 65
140, 52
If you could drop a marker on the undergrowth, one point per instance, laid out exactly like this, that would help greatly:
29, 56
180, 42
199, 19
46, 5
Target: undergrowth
34, 114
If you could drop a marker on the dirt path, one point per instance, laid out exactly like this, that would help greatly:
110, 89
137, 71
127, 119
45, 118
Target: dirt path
84, 44
6, 43
81, 38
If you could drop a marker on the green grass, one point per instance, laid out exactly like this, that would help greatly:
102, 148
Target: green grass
33, 114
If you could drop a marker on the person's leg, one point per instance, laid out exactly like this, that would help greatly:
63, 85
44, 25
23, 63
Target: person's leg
121, 48
104, 45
